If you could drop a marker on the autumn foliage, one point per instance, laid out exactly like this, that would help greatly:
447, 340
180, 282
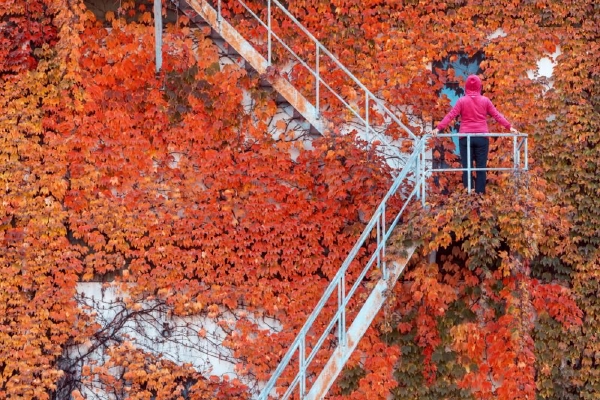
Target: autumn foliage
173, 188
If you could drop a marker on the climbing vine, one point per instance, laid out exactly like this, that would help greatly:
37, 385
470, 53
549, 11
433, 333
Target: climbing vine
171, 187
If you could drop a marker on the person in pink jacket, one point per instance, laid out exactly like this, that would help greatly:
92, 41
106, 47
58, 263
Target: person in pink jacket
473, 109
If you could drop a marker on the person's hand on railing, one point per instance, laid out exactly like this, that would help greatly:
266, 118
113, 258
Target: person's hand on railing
434, 132
514, 130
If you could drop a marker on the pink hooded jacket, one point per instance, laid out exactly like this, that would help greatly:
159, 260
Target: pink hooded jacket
473, 110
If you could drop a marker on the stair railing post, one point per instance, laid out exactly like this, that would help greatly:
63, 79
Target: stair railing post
516, 153
526, 161
379, 235
317, 80
269, 33
423, 171
158, 33
219, 14
382, 256
417, 173
367, 113
342, 309
302, 367
469, 162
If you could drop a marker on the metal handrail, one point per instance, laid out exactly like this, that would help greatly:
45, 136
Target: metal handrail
520, 162
370, 98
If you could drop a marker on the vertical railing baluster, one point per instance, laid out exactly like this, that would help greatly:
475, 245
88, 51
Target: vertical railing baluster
383, 228
417, 172
302, 369
526, 166
515, 154
158, 33
269, 33
219, 14
342, 309
367, 123
318, 80
422, 172
378, 225
469, 162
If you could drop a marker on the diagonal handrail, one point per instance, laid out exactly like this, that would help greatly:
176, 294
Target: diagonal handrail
370, 99
378, 224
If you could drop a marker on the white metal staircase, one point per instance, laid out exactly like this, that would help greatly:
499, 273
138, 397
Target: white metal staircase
298, 375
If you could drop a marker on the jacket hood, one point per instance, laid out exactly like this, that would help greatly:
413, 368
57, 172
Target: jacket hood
473, 85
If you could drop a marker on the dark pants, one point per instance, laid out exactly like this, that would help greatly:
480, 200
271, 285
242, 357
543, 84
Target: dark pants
480, 146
